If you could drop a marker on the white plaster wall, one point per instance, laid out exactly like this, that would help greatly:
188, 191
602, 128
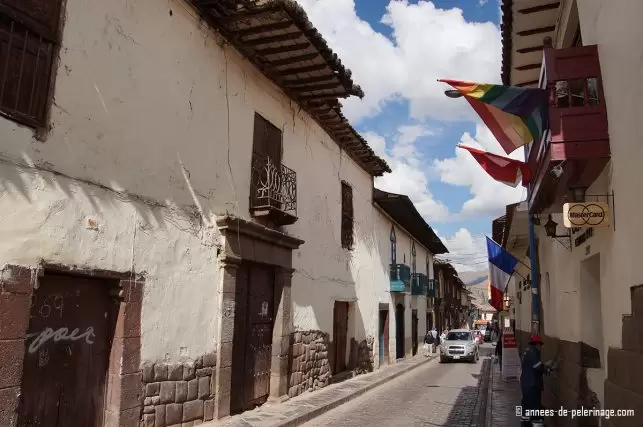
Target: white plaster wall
379, 290
151, 104
617, 33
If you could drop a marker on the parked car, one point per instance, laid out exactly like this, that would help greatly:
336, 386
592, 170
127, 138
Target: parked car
460, 344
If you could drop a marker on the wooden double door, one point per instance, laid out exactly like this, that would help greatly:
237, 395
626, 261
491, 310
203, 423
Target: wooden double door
252, 339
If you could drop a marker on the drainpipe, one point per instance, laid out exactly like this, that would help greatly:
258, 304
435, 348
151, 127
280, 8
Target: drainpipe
533, 260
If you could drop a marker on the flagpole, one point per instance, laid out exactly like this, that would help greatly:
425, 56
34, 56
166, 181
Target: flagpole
535, 305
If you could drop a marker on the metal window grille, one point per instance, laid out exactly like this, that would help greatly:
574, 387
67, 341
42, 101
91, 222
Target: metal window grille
29, 32
347, 216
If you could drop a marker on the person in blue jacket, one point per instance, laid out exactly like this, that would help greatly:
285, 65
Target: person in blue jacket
531, 376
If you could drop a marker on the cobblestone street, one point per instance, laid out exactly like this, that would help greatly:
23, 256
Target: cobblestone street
432, 395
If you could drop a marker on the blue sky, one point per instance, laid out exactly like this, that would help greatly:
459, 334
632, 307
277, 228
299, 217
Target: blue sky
397, 49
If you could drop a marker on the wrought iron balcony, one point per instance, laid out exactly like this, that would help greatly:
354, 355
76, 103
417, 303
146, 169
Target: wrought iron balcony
418, 284
432, 288
400, 278
273, 191
575, 148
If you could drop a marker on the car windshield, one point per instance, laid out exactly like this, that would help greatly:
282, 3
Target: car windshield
458, 336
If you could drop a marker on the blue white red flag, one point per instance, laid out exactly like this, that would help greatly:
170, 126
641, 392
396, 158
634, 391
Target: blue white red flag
501, 267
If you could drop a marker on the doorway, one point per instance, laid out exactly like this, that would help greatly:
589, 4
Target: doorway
429, 321
71, 329
384, 337
399, 331
414, 331
340, 335
252, 339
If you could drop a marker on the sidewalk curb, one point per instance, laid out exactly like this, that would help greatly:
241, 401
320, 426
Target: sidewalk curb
300, 419
488, 414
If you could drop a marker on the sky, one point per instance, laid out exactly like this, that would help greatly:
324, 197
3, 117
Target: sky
396, 50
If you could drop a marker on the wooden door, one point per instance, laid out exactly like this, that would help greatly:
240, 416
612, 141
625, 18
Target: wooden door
340, 334
71, 328
384, 338
414, 331
266, 147
252, 339
399, 331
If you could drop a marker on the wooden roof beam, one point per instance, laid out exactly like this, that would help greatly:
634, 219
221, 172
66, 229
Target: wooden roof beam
282, 49
529, 83
293, 83
277, 26
529, 67
530, 49
533, 31
316, 86
299, 70
274, 39
541, 8
293, 59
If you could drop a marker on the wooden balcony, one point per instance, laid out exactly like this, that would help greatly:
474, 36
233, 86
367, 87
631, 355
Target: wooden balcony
400, 278
576, 148
433, 288
418, 284
273, 191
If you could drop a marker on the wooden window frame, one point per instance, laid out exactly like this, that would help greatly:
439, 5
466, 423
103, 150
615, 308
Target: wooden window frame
29, 48
413, 258
393, 248
348, 218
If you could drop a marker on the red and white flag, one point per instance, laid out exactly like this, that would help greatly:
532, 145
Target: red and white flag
502, 169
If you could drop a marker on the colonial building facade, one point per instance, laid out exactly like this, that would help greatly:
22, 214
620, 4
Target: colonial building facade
588, 275
405, 285
187, 220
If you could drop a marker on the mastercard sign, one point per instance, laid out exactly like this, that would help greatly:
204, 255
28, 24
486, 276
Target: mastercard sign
586, 215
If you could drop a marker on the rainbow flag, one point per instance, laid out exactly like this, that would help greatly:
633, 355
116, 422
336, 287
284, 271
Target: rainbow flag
516, 116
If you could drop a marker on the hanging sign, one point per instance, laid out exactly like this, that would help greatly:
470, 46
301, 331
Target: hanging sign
586, 215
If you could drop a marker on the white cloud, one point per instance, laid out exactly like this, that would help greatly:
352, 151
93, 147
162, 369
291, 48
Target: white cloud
408, 174
482, 2
489, 196
466, 252
428, 43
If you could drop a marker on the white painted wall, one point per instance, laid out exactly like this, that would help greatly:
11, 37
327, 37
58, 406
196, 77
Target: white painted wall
150, 104
378, 290
617, 33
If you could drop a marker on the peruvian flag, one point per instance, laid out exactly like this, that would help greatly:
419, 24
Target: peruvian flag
503, 169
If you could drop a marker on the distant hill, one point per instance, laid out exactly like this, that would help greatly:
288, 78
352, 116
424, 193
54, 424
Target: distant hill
471, 278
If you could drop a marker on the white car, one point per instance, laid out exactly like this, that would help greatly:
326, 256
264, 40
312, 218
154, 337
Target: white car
460, 344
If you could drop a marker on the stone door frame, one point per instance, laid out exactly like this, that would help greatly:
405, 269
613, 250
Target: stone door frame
244, 240
124, 391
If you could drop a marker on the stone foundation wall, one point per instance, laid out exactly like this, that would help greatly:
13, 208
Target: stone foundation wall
308, 362
178, 394
568, 387
624, 383
365, 356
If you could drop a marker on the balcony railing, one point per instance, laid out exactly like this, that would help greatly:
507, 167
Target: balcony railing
400, 278
273, 191
432, 288
418, 284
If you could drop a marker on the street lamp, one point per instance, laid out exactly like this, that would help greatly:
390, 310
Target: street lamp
550, 229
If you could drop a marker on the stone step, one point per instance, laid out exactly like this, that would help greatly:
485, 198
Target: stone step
632, 333
637, 301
